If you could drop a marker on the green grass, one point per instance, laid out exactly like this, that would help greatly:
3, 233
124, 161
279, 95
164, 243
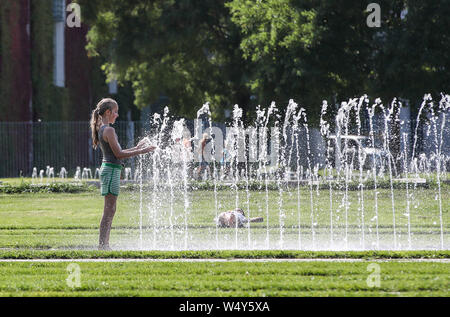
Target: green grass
65, 226
224, 279
61, 221
221, 254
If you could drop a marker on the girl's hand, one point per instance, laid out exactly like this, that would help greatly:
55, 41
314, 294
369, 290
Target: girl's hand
143, 143
147, 148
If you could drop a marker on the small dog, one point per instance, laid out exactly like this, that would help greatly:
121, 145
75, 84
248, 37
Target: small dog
234, 218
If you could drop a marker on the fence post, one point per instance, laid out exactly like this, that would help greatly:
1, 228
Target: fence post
30, 146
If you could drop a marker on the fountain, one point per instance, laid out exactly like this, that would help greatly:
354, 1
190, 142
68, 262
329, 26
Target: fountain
51, 173
127, 175
77, 175
63, 173
357, 183
86, 174
34, 175
97, 173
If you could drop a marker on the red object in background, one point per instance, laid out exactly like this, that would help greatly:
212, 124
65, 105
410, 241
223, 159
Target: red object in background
20, 91
78, 71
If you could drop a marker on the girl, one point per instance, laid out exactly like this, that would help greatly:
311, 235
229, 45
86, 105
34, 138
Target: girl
104, 135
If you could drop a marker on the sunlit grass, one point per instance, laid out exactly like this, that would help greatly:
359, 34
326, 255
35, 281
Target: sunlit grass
71, 220
223, 279
65, 226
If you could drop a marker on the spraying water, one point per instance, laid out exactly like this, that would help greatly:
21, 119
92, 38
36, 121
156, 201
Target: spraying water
275, 160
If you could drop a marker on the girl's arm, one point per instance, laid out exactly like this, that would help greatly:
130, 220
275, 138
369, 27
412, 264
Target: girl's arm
131, 149
110, 136
141, 144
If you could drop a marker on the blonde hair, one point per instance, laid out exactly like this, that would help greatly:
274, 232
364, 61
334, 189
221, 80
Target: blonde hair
100, 109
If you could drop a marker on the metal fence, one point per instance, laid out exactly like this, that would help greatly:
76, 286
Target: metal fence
25, 145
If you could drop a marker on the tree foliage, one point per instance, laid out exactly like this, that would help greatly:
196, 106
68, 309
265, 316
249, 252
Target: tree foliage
254, 52
413, 55
186, 50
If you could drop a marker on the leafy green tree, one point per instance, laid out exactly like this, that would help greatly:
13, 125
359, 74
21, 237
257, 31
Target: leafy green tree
185, 50
413, 55
306, 50
311, 50
254, 52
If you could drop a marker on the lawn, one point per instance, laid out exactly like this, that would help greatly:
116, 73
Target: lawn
43, 226
156, 220
237, 279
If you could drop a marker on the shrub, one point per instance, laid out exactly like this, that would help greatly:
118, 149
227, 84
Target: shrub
45, 188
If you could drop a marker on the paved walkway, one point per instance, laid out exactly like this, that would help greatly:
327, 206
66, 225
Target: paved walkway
226, 260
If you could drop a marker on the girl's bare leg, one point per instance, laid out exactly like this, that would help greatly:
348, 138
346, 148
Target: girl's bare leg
105, 225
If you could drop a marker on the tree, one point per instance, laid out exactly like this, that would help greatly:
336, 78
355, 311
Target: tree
413, 56
306, 50
254, 52
185, 50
